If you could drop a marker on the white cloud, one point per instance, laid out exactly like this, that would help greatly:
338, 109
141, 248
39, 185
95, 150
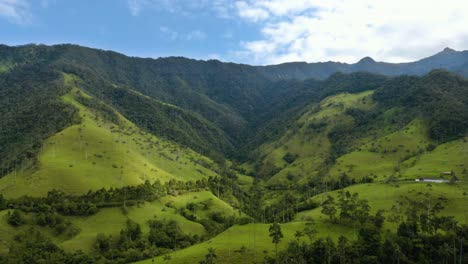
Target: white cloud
135, 6
322, 30
15, 11
195, 35
251, 12
172, 35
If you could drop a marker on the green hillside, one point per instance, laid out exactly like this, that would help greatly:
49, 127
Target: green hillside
106, 158
307, 141
100, 153
321, 143
110, 221
383, 196
246, 244
250, 243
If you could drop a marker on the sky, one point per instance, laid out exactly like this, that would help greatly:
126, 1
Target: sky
254, 32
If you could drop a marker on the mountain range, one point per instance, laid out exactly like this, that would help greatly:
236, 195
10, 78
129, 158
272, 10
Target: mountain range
114, 158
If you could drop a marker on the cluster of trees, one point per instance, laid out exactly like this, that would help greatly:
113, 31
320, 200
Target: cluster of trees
31, 247
89, 203
372, 246
423, 236
51, 219
440, 97
349, 209
132, 245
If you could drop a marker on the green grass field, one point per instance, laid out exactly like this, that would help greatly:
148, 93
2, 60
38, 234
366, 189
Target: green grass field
253, 237
381, 158
451, 156
255, 240
383, 196
100, 154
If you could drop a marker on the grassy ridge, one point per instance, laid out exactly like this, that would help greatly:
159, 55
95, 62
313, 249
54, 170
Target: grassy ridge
380, 152
110, 221
308, 140
98, 153
384, 196
254, 237
255, 240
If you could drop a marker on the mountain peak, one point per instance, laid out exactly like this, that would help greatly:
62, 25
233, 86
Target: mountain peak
448, 49
366, 60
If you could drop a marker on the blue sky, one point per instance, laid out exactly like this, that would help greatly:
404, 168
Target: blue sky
254, 32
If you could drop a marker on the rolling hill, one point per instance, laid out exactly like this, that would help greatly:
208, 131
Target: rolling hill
106, 158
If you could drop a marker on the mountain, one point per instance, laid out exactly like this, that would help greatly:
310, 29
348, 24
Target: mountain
106, 158
449, 59
391, 132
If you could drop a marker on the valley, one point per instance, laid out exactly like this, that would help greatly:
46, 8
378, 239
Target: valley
113, 159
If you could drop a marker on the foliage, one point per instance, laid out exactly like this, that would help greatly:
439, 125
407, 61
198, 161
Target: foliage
439, 96
16, 218
31, 111
210, 257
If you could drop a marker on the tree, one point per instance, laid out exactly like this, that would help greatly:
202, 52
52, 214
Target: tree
379, 219
328, 208
167, 258
16, 218
362, 211
342, 248
289, 158
298, 235
3, 202
210, 257
103, 242
276, 235
310, 231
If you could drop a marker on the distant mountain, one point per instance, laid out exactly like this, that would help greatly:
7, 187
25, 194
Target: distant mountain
217, 109
448, 59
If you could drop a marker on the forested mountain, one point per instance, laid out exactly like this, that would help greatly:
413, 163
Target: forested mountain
177, 155
449, 59
230, 102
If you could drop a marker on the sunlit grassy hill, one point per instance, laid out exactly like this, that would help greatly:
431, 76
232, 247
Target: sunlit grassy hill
378, 152
104, 150
110, 221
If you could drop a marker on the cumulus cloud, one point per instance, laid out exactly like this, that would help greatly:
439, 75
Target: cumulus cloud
322, 30
195, 35
15, 11
171, 34
251, 12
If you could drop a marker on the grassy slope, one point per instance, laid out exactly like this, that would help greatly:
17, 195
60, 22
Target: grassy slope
380, 157
379, 154
311, 145
254, 237
98, 153
100, 223
111, 220
451, 156
200, 198
383, 196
